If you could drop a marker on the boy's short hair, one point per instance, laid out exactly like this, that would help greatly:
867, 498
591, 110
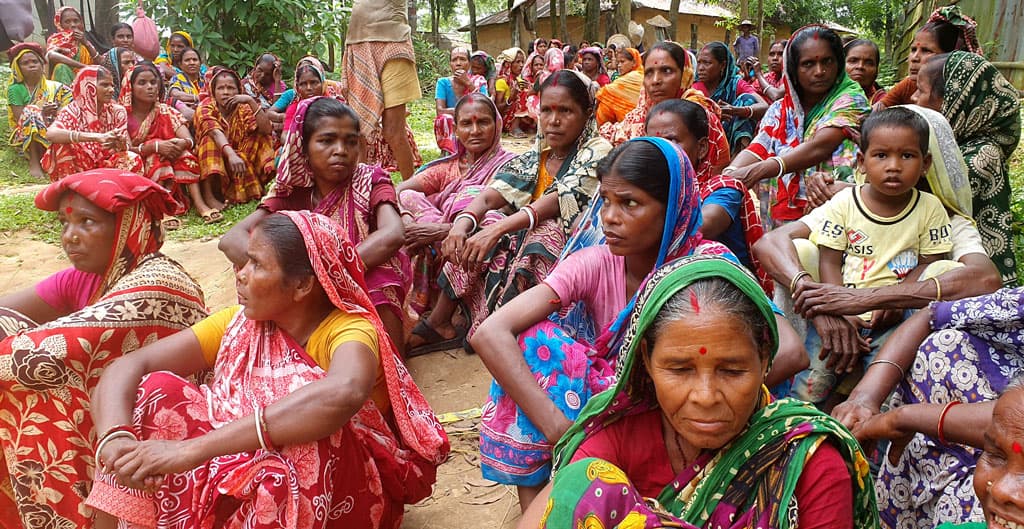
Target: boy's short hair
895, 117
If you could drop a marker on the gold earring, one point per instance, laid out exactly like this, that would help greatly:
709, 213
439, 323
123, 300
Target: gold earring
988, 484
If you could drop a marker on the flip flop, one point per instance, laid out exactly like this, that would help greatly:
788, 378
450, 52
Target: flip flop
212, 217
171, 223
434, 341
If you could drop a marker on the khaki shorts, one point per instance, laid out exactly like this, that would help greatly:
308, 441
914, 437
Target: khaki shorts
399, 83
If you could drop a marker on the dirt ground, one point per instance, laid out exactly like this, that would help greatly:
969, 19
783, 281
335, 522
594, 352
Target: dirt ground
451, 380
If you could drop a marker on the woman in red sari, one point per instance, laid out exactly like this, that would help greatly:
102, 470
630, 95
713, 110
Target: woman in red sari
92, 131
57, 337
310, 420
160, 135
320, 172
233, 136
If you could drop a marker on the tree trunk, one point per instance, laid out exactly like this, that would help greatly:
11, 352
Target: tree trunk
105, 15
563, 22
592, 21
552, 11
435, 17
744, 9
471, 5
760, 31
673, 18
513, 23
623, 14
411, 15
45, 9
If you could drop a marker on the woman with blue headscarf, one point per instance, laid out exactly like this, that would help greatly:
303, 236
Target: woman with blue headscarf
719, 79
647, 213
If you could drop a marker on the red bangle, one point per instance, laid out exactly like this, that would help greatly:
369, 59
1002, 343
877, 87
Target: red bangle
942, 420
225, 146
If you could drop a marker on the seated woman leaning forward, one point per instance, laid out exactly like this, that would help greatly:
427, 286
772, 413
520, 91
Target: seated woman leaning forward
310, 419
32, 104
59, 336
440, 190
689, 422
546, 366
493, 256
234, 138
90, 132
320, 172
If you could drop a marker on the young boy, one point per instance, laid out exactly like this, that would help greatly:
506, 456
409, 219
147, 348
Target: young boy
881, 232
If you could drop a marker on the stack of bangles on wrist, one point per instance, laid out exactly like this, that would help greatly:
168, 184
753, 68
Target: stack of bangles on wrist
799, 275
261, 430
121, 430
467, 215
532, 215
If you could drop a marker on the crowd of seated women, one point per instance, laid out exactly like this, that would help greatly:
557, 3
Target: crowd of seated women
651, 285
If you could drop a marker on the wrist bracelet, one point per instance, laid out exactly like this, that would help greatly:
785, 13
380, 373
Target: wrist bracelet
467, 215
938, 289
223, 148
532, 215
156, 148
110, 437
799, 275
903, 374
942, 419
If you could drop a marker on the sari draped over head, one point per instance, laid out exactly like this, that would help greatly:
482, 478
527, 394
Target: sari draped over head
634, 124
266, 95
31, 125
513, 450
112, 62
64, 42
84, 115
446, 192
517, 104
947, 176
617, 99
444, 124
166, 57
554, 60
602, 78
736, 129
520, 260
329, 88
161, 124
240, 127
969, 40
351, 204
749, 482
983, 109
48, 370
360, 476
787, 124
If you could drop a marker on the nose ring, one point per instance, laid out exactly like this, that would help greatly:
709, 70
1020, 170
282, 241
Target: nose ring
75, 239
988, 484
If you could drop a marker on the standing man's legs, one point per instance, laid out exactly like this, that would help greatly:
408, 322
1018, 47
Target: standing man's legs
393, 123
400, 84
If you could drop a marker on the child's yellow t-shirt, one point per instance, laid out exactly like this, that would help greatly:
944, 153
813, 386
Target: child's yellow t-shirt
337, 328
881, 251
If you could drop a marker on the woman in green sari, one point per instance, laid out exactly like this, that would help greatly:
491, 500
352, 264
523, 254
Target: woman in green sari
690, 423
983, 109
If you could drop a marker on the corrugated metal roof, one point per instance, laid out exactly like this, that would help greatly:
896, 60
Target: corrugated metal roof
686, 7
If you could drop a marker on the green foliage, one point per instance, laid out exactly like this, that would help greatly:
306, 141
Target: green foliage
14, 172
18, 212
431, 64
235, 32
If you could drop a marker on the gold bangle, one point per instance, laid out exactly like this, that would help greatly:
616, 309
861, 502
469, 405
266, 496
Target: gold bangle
800, 275
938, 289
